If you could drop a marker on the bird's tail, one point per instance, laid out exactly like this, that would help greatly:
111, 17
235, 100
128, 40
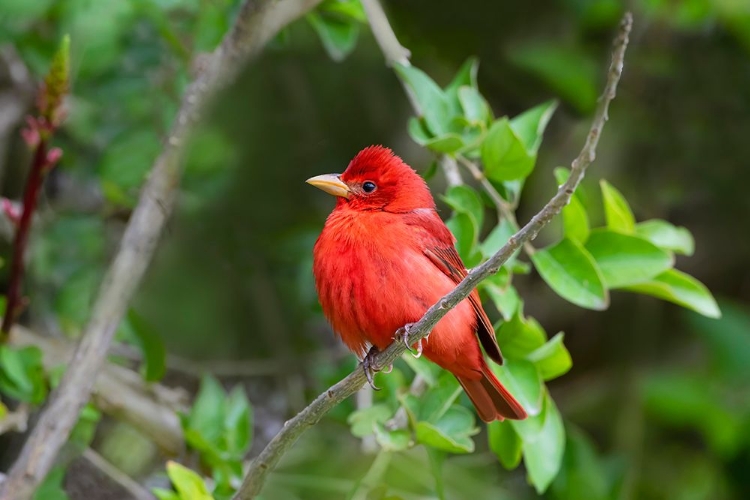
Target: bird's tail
491, 399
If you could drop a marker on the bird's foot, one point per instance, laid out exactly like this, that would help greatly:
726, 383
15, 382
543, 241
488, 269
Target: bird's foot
403, 335
369, 367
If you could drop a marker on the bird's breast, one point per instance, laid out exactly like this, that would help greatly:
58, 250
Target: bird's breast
373, 277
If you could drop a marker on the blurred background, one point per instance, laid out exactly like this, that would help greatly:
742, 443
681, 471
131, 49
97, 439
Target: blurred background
657, 404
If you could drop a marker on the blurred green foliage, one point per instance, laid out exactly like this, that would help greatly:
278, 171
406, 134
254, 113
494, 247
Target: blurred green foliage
656, 405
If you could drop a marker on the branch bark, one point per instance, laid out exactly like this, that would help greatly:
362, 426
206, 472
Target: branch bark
293, 429
256, 22
121, 393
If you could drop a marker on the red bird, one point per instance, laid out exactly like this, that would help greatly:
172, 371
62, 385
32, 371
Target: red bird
384, 257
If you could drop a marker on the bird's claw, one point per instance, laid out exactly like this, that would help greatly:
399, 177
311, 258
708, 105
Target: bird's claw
403, 333
368, 365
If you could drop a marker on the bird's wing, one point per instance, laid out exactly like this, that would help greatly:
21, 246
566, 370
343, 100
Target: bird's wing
448, 261
440, 250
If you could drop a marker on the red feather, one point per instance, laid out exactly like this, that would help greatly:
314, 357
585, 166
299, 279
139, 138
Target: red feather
384, 257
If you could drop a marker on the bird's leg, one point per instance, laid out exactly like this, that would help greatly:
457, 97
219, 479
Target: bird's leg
403, 333
368, 365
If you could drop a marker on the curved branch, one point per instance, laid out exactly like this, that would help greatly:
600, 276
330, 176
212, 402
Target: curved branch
256, 22
293, 429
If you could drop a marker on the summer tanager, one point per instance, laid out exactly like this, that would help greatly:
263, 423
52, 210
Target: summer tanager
384, 257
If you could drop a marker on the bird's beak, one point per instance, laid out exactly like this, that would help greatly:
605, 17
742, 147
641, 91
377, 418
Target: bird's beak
331, 184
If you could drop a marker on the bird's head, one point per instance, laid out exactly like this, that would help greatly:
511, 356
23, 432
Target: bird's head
377, 179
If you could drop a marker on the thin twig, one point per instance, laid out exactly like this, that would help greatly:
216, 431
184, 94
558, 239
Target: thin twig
395, 53
504, 209
295, 427
126, 482
256, 22
31, 194
40, 129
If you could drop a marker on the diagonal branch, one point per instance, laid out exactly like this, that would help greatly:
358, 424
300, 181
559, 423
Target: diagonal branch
256, 22
293, 429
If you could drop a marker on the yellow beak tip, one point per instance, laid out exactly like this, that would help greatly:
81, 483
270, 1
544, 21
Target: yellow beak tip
331, 184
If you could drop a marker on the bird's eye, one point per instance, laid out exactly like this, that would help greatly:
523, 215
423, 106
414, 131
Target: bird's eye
368, 187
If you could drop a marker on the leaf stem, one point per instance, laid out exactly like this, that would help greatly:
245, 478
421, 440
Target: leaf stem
504, 209
21, 239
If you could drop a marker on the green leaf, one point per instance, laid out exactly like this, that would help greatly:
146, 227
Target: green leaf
572, 273
418, 131
439, 398
463, 227
626, 260
445, 144
350, 9
475, 108
523, 380
22, 374
188, 484
339, 36
543, 444
505, 298
85, 428
162, 494
504, 154
451, 433
430, 172
398, 440
363, 421
498, 237
616, 209
666, 236
529, 126
238, 423
505, 443
207, 414
519, 337
575, 219
422, 367
463, 199
432, 101
552, 359
52, 486
466, 76
154, 364
682, 289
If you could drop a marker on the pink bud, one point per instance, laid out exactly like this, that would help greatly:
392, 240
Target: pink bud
11, 210
30, 134
53, 156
